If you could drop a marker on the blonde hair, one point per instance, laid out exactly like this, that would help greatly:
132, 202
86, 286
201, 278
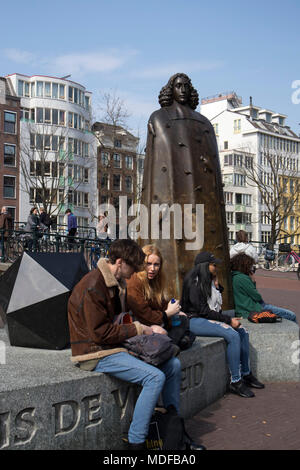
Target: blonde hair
154, 289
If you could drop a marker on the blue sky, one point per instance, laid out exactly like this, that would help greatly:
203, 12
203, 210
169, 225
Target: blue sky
132, 47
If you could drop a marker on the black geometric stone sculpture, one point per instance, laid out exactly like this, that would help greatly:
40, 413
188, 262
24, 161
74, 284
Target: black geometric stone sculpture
34, 294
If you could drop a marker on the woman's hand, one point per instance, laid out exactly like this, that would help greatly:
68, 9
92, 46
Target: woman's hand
235, 323
173, 308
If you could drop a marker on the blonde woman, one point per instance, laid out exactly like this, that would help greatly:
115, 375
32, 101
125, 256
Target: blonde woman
146, 292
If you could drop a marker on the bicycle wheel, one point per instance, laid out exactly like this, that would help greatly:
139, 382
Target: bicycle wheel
286, 263
298, 272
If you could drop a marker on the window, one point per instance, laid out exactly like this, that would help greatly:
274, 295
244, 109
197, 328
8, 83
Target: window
104, 181
20, 87
62, 92
128, 162
225, 144
239, 180
62, 118
9, 122
117, 182
128, 183
228, 160
39, 89
54, 116
237, 126
47, 90
243, 218
54, 90
229, 217
71, 93
117, 160
47, 115
104, 158
9, 186
9, 155
39, 115
228, 197
265, 237
216, 129
117, 143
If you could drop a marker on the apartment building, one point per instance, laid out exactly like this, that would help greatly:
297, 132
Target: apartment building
119, 167
250, 135
9, 148
57, 149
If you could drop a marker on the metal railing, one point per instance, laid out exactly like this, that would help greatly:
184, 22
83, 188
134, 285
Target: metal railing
14, 242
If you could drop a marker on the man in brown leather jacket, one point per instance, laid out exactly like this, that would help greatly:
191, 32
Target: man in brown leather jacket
96, 341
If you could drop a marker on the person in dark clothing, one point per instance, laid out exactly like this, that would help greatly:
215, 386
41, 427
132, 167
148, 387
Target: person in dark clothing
72, 228
6, 226
202, 302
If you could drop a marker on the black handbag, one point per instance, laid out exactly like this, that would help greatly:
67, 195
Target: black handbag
153, 349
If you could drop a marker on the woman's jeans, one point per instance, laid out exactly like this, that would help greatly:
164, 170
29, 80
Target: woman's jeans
166, 380
281, 312
237, 343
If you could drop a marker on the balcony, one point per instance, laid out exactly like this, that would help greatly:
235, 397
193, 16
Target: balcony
240, 208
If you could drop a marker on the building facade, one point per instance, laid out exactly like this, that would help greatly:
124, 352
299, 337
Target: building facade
250, 136
118, 169
57, 148
9, 148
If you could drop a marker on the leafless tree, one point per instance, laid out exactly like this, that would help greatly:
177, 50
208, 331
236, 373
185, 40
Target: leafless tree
47, 165
277, 178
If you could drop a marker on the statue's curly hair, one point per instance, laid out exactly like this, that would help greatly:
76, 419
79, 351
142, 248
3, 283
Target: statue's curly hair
165, 97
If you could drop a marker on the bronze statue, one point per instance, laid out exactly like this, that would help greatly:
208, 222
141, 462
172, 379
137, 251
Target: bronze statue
182, 168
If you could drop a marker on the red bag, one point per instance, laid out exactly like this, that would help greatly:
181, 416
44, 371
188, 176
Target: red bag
264, 317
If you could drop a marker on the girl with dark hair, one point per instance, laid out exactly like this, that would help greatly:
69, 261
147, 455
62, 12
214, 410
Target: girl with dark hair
202, 302
246, 297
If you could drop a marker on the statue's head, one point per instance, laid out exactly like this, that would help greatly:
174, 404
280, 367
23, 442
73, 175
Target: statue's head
180, 89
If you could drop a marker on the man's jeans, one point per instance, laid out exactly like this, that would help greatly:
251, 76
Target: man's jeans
281, 312
166, 380
237, 343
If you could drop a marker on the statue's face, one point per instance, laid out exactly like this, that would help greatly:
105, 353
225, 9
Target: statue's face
181, 90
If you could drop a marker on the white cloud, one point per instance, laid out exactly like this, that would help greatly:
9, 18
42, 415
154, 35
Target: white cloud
79, 63
82, 64
163, 71
19, 56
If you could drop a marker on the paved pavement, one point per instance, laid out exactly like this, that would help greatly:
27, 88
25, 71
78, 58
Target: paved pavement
271, 420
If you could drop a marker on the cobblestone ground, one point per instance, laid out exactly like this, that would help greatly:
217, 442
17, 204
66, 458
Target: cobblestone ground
271, 420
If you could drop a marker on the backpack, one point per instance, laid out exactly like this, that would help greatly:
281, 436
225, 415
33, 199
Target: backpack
153, 349
181, 334
166, 431
264, 317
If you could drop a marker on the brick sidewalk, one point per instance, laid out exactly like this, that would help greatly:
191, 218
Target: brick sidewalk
271, 420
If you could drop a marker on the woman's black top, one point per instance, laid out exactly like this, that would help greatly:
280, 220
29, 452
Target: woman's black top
194, 304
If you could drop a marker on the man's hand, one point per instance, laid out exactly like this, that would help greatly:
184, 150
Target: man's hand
158, 329
147, 330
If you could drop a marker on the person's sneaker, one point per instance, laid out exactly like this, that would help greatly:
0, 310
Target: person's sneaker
251, 381
239, 388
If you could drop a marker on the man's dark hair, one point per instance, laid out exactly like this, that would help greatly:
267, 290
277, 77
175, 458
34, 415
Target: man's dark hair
129, 251
242, 236
166, 93
242, 263
68, 211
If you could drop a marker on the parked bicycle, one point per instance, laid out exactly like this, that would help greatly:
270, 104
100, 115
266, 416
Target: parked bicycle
288, 260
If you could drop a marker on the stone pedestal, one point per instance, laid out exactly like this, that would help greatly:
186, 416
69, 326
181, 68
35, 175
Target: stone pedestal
274, 350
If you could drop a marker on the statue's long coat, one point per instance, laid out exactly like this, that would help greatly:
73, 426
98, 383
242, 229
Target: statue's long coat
182, 166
